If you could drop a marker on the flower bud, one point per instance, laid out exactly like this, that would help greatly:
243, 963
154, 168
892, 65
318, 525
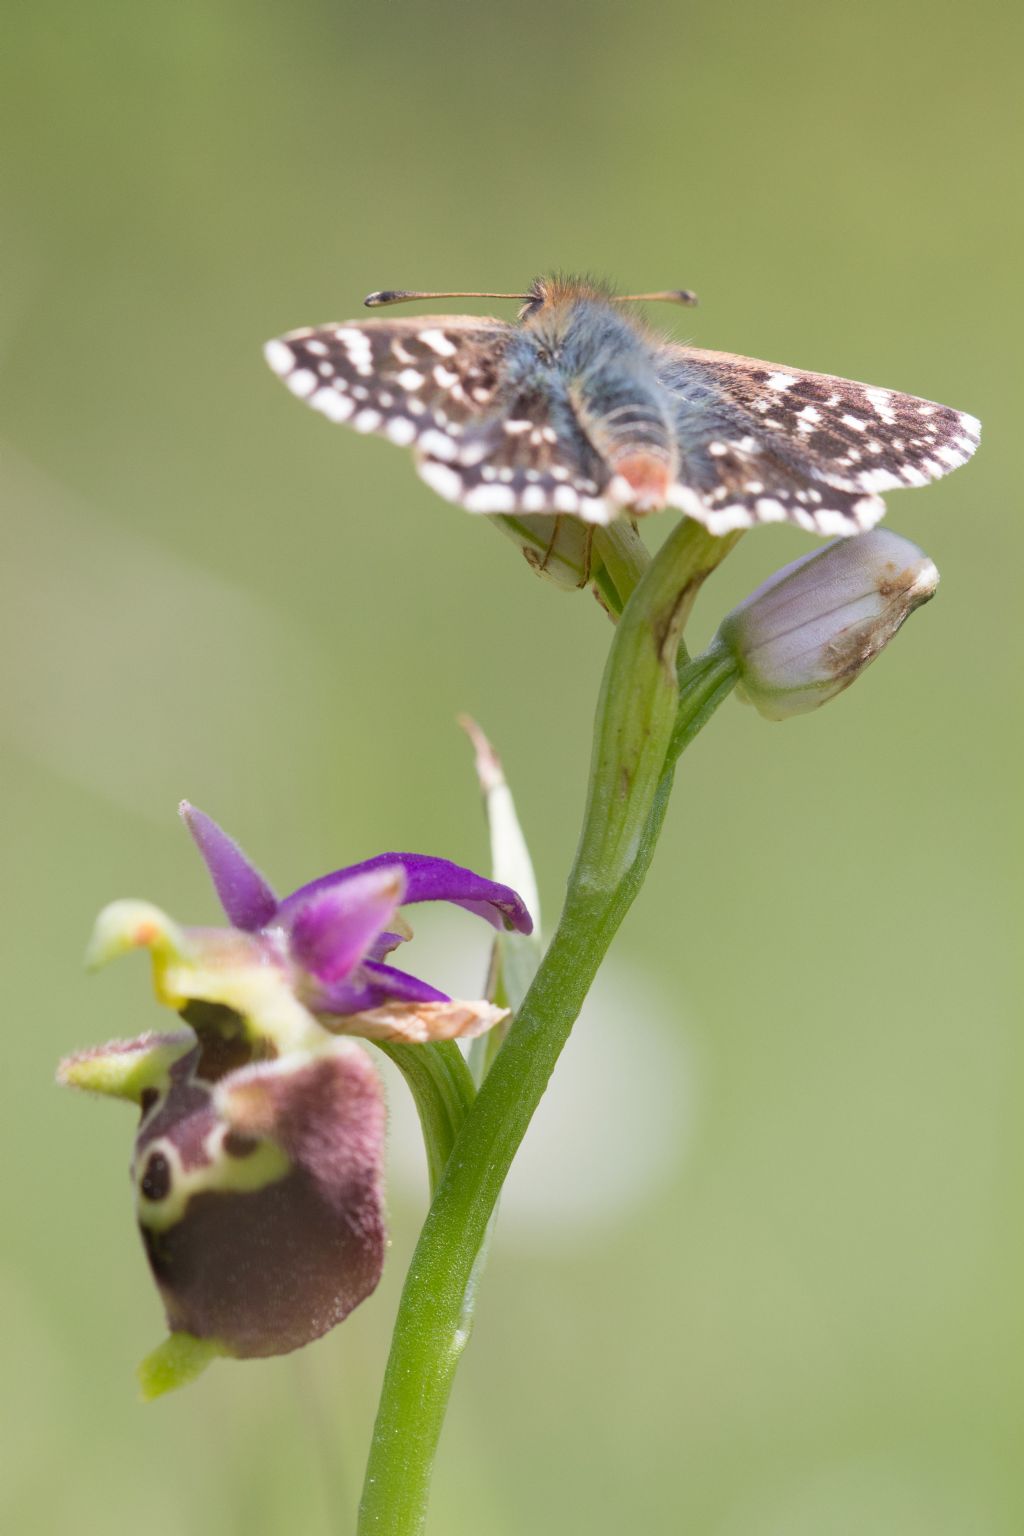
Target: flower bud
812, 628
555, 547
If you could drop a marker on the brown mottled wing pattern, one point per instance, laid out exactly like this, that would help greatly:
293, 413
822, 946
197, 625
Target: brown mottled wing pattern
484, 435
402, 380
531, 458
759, 442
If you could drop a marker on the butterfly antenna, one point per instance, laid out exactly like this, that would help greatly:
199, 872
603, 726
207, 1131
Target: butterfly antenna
667, 296
406, 295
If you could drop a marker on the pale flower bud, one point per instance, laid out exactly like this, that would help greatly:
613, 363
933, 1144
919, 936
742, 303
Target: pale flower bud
555, 547
812, 628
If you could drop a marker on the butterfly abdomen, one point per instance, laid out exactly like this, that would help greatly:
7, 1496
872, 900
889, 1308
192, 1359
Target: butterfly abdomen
621, 404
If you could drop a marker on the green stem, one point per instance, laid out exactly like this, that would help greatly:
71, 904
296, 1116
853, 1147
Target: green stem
443, 1090
637, 706
620, 552
432, 1327
703, 683
606, 592
640, 716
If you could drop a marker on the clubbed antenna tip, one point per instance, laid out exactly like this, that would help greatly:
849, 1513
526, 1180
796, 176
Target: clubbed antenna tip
406, 295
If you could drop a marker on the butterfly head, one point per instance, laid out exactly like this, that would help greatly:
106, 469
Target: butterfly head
564, 292
559, 292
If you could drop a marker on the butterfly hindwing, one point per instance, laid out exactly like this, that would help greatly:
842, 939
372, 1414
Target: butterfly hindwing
531, 457
737, 481
760, 442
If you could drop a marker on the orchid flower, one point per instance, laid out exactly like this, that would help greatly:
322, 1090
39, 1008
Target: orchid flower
257, 1166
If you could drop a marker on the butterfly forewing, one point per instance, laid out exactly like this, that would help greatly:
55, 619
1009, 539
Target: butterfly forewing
484, 436
405, 381
760, 442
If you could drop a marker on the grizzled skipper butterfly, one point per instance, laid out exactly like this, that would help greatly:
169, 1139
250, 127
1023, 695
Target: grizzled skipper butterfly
579, 408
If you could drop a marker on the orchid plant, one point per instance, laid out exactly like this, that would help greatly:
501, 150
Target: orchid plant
258, 1154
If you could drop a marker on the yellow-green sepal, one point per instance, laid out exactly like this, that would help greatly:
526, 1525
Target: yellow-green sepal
126, 925
124, 1069
177, 1361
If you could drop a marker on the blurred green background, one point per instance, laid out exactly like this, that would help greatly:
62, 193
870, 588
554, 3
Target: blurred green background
759, 1273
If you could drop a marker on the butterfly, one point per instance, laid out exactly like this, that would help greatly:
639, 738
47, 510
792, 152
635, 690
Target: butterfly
579, 408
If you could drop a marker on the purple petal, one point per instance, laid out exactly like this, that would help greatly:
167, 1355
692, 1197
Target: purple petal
333, 928
345, 997
400, 986
429, 879
375, 986
246, 897
383, 944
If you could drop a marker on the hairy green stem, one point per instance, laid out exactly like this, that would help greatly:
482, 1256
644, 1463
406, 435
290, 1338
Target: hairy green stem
640, 719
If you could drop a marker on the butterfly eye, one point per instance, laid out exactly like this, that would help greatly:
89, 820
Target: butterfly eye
535, 300
531, 307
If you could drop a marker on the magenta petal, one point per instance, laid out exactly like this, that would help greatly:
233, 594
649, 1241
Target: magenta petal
430, 879
374, 987
399, 986
383, 944
246, 897
331, 931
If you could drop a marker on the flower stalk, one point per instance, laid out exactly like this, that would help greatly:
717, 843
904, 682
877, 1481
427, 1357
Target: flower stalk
641, 717
654, 701
442, 1088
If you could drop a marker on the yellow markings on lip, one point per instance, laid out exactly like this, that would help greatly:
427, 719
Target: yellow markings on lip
223, 1174
241, 971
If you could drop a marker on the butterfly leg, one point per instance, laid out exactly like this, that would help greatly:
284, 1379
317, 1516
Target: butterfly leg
588, 556
545, 558
570, 541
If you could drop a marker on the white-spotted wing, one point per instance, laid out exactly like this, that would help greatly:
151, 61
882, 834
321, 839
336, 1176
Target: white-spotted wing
488, 412
486, 440
760, 443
